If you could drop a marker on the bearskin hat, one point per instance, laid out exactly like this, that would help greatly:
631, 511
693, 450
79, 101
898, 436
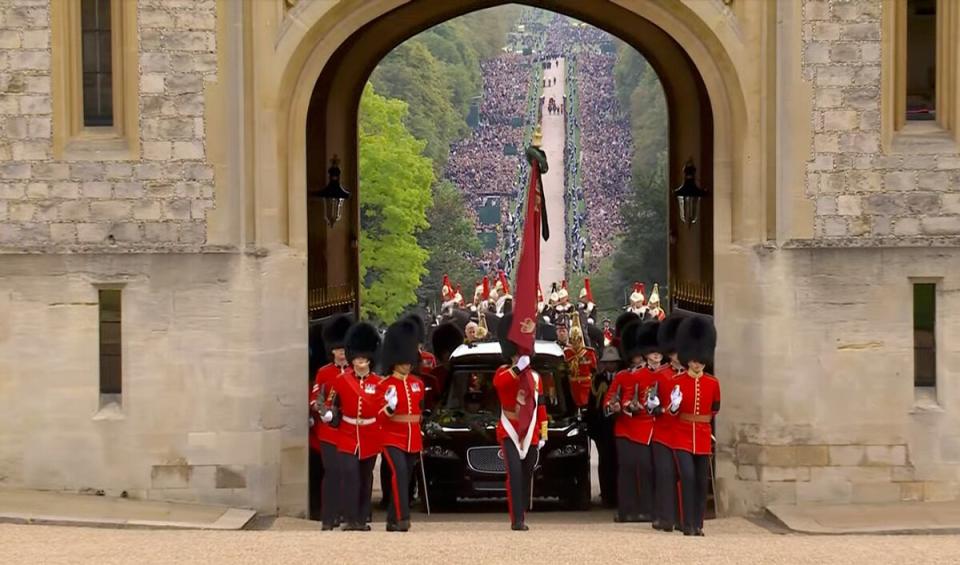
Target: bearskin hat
421, 327
507, 348
630, 342
647, 337
335, 331
596, 336
362, 340
545, 331
667, 334
622, 321
445, 339
696, 339
400, 345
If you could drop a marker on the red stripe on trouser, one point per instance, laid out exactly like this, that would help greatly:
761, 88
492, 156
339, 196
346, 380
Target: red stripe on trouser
506, 466
393, 481
676, 464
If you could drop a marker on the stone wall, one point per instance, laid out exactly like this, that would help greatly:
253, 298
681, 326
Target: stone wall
860, 191
214, 397
158, 201
822, 407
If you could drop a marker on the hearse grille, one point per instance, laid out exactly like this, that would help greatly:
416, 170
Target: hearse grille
486, 460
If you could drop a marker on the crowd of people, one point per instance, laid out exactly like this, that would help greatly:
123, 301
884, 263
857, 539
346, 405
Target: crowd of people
600, 162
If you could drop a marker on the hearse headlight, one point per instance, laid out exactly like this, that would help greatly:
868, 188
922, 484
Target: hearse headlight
439, 452
569, 450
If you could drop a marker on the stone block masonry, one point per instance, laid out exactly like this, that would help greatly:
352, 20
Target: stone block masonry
158, 201
848, 167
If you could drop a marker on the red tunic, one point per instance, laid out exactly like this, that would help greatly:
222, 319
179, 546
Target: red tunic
701, 402
582, 364
360, 405
507, 384
401, 429
664, 428
636, 427
428, 361
322, 385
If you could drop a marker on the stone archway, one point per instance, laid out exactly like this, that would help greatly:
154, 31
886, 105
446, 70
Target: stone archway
325, 52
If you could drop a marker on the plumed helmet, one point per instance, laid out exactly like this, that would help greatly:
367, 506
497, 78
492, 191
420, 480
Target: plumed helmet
335, 331
416, 320
629, 341
610, 355
667, 334
362, 340
445, 339
636, 297
647, 337
696, 339
400, 345
654, 295
503, 328
622, 321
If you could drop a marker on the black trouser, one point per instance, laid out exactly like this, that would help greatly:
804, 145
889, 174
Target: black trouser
665, 468
634, 478
401, 465
332, 507
607, 463
316, 469
694, 475
357, 486
385, 489
519, 479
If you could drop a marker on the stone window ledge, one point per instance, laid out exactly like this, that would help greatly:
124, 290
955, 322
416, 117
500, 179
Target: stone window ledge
922, 138
873, 242
925, 401
110, 408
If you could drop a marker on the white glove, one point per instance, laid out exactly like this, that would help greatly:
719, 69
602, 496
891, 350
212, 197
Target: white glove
652, 403
541, 443
676, 397
523, 362
327, 417
391, 397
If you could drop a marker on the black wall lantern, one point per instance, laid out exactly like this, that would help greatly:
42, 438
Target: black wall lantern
689, 195
333, 195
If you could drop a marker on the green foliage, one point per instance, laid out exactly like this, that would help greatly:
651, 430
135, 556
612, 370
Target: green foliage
638, 88
451, 239
395, 193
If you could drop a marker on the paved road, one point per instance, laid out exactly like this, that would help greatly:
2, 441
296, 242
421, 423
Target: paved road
557, 537
552, 264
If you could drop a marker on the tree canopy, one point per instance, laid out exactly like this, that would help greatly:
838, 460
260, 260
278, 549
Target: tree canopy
395, 181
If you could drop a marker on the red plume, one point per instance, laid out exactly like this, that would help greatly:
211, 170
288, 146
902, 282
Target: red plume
486, 288
506, 285
586, 285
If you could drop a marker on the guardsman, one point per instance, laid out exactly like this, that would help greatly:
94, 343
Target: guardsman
601, 428
541, 305
607, 333
581, 363
654, 311
563, 308
503, 293
587, 307
664, 460
400, 420
448, 299
695, 399
622, 321
563, 333
446, 338
325, 436
353, 406
637, 303
458, 298
520, 440
627, 400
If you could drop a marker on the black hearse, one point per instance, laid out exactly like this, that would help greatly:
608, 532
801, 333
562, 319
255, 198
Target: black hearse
461, 455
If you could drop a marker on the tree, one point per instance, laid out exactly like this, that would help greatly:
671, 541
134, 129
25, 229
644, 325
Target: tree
394, 190
451, 241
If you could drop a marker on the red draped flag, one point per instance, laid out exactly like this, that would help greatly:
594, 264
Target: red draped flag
523, 330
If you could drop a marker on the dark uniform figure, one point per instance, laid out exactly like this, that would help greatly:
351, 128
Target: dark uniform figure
400, 422
354, 406
695, 399
325, 488
601, 427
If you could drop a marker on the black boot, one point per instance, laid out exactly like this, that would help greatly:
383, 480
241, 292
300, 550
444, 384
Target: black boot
658, 525
392, 526
403, 526
519, 527
356, 527
327, 527
700, 532
689, 531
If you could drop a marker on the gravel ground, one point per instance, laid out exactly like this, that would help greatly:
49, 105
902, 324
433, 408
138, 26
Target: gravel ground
556, 537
